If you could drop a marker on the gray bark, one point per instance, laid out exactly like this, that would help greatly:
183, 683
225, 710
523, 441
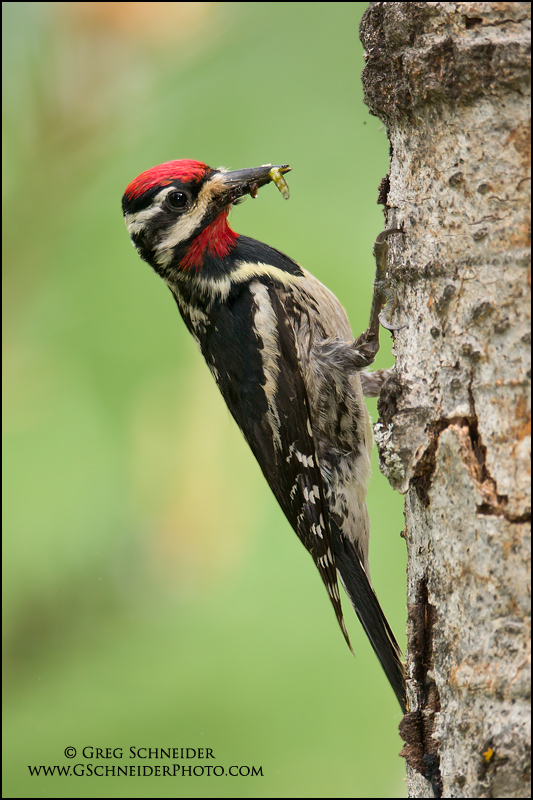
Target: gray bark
451, 81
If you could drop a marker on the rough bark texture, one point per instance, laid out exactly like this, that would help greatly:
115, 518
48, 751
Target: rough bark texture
451, 81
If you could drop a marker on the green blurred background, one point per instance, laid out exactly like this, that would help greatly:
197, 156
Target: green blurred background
154, 593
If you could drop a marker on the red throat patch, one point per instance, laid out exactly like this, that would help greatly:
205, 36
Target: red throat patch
215, 241
185, 170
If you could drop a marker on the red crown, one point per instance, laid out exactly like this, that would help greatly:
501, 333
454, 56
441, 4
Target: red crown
185, 170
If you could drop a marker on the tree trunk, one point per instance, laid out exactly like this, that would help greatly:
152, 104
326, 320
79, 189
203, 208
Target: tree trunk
451, 82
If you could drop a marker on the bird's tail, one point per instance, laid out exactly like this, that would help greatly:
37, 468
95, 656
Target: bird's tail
373, 620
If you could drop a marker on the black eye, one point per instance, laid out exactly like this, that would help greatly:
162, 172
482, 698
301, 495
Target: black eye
176, 201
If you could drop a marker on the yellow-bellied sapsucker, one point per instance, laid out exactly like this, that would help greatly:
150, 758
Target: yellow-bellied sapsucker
281, 350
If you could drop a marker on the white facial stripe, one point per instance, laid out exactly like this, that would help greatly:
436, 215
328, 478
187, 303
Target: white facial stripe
187, 223
163, 193
136, 222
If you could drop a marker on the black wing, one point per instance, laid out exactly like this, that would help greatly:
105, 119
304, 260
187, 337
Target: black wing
251, 350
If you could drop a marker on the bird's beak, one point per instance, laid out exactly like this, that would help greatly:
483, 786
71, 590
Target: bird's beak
240, 182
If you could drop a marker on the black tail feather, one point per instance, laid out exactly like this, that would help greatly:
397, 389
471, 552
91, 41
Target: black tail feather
372, 618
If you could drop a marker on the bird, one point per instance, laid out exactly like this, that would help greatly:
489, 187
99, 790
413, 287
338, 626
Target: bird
281, 350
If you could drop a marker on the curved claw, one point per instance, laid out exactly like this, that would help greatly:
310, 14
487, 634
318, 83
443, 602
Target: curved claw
387, 325
384, 235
